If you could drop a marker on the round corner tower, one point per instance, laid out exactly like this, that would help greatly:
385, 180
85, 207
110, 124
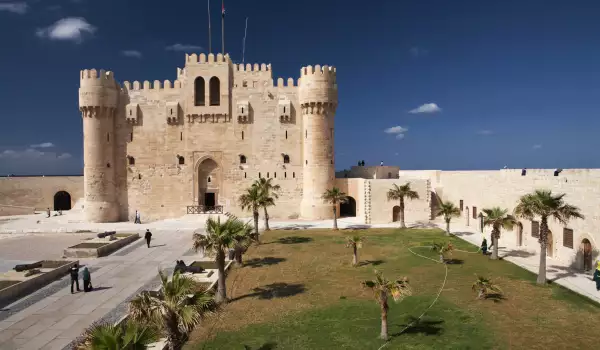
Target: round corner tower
318, 101
98, 97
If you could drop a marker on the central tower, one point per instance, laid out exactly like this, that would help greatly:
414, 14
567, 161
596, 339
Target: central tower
318, 101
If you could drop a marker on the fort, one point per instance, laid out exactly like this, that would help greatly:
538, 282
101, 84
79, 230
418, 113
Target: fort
198, 142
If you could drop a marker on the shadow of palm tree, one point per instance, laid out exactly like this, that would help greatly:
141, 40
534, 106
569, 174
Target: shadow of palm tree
265, 346
293, 240
371, 262
259, 262
426, 327
357, 227
422, 225
495, 297
517, 253
458, 234
274, 290
454, 261
567, 272
294, 227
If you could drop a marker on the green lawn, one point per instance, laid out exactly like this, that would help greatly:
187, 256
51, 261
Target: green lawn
298, 290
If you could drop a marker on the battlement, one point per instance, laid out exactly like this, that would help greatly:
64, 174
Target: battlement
252, 68
95, 78
166, 85
289, 83
325, 71
318, 85
203, 58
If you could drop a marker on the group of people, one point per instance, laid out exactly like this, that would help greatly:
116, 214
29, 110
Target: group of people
86, 277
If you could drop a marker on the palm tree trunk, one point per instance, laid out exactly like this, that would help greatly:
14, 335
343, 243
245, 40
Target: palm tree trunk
355, 256
541, 279
447, 227
238, 255
267, 228
402, 224
495, 244
384, 311
255, 215
335, 218
221, 291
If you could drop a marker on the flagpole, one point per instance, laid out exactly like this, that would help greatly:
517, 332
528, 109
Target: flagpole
244, 44
209, 35
223, 26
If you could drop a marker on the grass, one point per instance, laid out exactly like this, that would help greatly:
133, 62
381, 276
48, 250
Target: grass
299, 291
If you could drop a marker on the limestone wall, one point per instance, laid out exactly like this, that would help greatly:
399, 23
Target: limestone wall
19, 195
382, 209
370, 172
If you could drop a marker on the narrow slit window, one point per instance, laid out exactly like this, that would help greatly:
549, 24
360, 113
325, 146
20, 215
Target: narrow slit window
244, 175
286, 134
286, 159
130, 136
242, 159
294, 174
267, 175
181, 136
259, 176
209, 179
305, 134
171, 111
181, 160
285, 175
275, 175
107, 137
131, 161
242, 135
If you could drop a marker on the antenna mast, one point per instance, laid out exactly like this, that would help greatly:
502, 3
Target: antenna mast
244, 43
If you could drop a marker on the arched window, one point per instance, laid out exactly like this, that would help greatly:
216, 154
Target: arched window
242, 159
215, 91
181, 160
131, 160
209, 179
199, 91
286, 158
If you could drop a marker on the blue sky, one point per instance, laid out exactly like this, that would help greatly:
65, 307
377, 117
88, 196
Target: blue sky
466, 84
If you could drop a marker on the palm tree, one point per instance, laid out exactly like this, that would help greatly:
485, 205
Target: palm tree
544, 204
268, 194
217, 240
251, 200
243, 238
176, 309
399, 193
442, 249
128, 336
483, 286
354, 242
334, 196
448, 211
497, 218
381, 288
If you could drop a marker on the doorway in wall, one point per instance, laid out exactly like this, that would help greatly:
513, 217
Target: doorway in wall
586, 247
210, 199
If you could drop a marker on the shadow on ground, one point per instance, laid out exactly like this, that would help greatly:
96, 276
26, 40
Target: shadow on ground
423, 225
517, 253
294, 227
292, 240
458, 234
370, 262
259, 262
275, 290
265, 346
454, 261
425, 327
357, 227
495, 297
566, 272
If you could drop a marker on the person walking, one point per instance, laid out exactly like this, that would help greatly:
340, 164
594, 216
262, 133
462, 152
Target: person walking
148, 237
48, 212
597, 276
137, 217
87, 280
74, 277
484, 246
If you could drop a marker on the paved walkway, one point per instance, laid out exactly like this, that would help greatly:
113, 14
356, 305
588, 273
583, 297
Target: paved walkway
557, 271
51, 318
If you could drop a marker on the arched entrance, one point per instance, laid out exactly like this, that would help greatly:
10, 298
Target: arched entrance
209, 180
348, 209
550, 245
62, 201
586, 249
519, 234
396, 213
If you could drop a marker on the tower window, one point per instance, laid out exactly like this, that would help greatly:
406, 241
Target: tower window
131, 160
306, 161
130, 136
286, 159
305, 134
181, 136
285, 174
259, 175
208, 179
215, 91
242, 135
171, 111
181, 160
242, 159
108, 165
286, 134
130, 112
294, 174
283, 109
199, 89
244, 175
107, 137
242, 110
275, 175
267, 175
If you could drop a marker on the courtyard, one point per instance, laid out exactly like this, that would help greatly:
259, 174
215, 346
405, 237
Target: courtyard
298, 290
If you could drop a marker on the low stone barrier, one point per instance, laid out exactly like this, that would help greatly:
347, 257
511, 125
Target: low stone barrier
49, 272
96, 248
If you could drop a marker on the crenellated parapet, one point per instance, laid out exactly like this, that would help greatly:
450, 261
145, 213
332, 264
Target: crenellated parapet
263, 67
289, 83
98, 92
191, 59
318, 89
156, 85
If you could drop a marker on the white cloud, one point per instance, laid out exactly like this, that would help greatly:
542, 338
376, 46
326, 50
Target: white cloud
43, 145
485, 132
64, 156
426, 108
71, 28
131, 53
538, 146
396, 130
183, 47
416, 51
14, 7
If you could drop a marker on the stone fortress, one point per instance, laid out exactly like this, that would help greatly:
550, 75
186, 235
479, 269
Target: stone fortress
203, 139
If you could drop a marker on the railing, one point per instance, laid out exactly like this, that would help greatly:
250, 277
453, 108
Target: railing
205, 209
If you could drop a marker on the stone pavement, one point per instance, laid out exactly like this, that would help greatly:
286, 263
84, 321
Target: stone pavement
556, 271
52, 321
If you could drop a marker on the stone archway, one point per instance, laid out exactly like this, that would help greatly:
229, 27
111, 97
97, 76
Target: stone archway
348, 209
586, 250
396, 213
550, 245
519, 234
209, 182
62, 201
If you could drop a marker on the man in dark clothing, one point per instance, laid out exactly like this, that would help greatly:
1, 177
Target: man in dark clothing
148, 237
74, 277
